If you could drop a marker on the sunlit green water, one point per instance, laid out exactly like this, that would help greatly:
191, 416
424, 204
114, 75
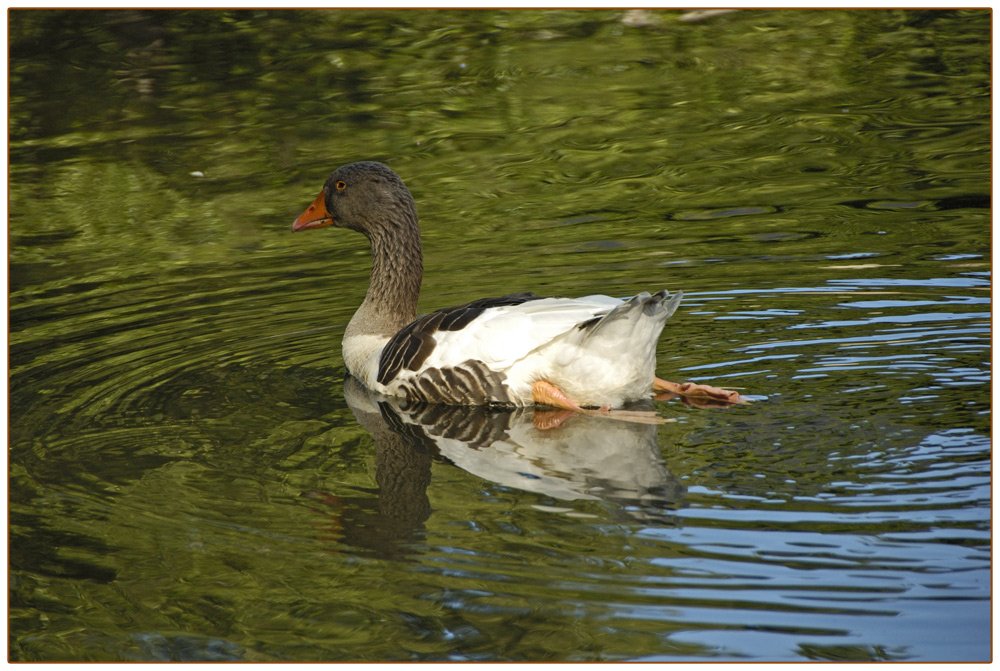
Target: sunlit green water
192, 479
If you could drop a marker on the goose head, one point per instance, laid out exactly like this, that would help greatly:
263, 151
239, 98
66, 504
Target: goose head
367, 197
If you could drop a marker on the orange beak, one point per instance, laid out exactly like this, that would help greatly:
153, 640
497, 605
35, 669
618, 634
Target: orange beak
315, 215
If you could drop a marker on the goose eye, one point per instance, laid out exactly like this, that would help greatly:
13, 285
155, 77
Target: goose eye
341, 185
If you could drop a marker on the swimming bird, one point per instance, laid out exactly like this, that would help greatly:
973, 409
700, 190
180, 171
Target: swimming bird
519, 349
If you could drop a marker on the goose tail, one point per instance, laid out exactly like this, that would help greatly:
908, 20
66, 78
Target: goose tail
653, 309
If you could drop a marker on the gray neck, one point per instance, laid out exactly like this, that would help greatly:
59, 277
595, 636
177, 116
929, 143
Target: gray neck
397, 270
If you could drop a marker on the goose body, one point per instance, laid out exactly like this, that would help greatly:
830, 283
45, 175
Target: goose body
519, 349
598, 350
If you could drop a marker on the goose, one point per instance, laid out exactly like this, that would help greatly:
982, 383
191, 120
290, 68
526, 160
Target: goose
521, 349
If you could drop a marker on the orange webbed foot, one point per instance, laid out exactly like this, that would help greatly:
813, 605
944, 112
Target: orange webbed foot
546, 393
699, 395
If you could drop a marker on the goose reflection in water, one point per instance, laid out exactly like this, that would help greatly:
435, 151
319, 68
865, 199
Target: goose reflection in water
579, 458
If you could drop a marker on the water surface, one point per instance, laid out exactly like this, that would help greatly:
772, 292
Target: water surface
192, 477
